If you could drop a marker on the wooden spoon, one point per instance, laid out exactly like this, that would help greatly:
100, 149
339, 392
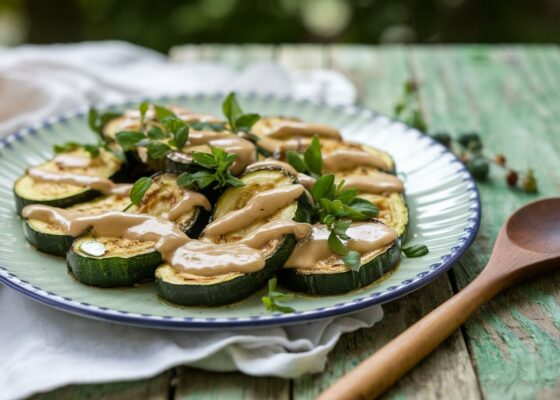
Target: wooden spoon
527, 245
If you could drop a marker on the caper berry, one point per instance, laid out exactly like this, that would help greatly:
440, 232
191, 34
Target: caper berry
442, 137
479, 168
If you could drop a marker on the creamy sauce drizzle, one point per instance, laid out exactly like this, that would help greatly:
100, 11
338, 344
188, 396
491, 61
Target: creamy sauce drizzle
261, 205
185, 255
278, 147
104, 185
72, 161
343, 159
188, 202
278, 128
374, 183
365, 237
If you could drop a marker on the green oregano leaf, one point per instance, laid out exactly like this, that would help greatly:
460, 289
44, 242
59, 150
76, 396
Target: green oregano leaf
323, 187
418, 250
352, 259
129, 139
139, 189
313, 158
181, 136
163, 112
158, 150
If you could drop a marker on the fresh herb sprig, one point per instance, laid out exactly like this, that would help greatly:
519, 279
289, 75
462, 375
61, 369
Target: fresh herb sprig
311, 162
139, 189
97, 120
408, 107
238, 121
173, 134
470, 150
92, 149
419, 250
272, 299
216, 170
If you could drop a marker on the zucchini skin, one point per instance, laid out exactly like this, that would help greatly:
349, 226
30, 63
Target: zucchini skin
113, 271
56, 245
231, 291
342, 282
82, 197
240, 287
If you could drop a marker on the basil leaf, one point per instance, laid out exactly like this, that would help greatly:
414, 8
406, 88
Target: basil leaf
143, 108
92, 149
158, 150
233, 181
295, 160
227, 161
163, 112
336, 245
204, 159
200, 178
128, 139
365, 207
66, 147
232, 110
346, 196
181, 137
157, 134
323, 187
139, 189
246, 121
270, 301
418, 250
352, 259
313, 158
93, 119
340, 227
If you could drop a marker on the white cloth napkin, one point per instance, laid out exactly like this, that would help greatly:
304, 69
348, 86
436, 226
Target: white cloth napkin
45, 348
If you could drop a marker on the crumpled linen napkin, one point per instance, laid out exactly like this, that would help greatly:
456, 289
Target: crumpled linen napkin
44, 348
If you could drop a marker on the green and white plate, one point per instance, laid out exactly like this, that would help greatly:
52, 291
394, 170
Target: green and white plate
443, 200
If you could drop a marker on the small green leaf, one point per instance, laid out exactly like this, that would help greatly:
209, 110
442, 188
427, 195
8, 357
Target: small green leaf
233, 181
340, 227
365, 207
313, 158
163, 112
246, 121
66, 147
199, 178
204, 159
270, 301
323, 187
143, 108
139, 189
155, 133
181, 136
208, 126
272, 284
158, 150
232, 111
295, 160
418, 250
346, 196
336, 245
353, 260
93, 119
92, 149
128, 139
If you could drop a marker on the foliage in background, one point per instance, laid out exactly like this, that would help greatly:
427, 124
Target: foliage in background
165, 23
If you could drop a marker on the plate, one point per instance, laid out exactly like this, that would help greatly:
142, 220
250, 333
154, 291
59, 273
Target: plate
443, 199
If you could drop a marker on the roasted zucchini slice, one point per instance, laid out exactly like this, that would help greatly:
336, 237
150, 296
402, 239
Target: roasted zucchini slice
163, 195
109, 262
29, 191
232, 287
331, 276
49, 237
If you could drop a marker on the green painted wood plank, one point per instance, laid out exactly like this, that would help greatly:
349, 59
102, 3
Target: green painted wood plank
199, 385
156, 388
448, 372
506, 95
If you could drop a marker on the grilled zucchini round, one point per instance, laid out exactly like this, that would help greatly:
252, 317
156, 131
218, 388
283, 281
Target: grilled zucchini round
232, 287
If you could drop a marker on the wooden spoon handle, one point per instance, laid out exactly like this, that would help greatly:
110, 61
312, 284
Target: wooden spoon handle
378, 372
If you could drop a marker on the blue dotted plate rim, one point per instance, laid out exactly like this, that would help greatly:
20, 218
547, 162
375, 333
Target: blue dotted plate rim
189, 323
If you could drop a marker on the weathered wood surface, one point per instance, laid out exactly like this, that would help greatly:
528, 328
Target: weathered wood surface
510, 348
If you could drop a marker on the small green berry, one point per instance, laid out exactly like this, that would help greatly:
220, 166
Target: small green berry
479, 168
442, 137
529, 182
470, 141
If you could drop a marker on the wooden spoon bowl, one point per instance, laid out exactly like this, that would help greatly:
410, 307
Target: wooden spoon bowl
528, 245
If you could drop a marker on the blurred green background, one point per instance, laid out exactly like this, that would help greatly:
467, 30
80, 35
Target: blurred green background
161, 24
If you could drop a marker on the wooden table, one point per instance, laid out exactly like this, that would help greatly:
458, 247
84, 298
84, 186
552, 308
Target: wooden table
510, 348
